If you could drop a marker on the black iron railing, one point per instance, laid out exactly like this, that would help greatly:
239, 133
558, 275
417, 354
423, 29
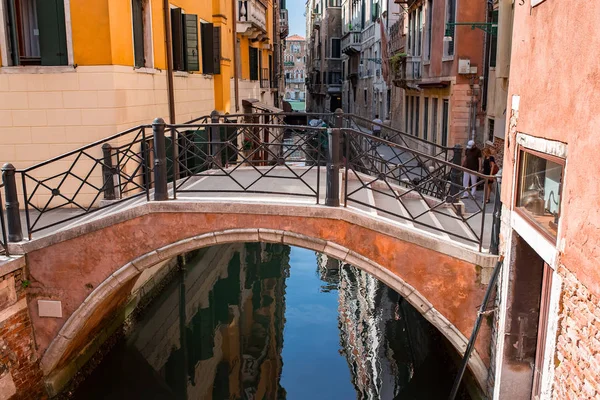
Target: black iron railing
419, 186
248, 155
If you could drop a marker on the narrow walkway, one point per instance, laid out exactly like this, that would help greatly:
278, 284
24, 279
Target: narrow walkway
297, 185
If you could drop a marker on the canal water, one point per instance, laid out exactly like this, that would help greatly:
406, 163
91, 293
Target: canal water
268, 321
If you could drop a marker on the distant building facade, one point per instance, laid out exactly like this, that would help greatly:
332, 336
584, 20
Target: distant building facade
294, 63
324, 55
365, 25
437, 68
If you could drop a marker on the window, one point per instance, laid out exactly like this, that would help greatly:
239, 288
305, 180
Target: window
335, 78
491, 129
419, 31
417, 118
425, 117
335, 3
253, 64
336, 48
366, 99
412, 110
36, 32
434, 119
538, 197
406, 114
450, 18
429, 24
445, 127
494, 40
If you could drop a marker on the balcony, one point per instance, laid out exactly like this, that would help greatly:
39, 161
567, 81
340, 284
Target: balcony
265, 82
288, 63
368, 35
316, 23
284, 28
351, 42
295, 80
408, 72
252, 20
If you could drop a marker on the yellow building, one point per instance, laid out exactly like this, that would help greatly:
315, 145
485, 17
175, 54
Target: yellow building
75, 71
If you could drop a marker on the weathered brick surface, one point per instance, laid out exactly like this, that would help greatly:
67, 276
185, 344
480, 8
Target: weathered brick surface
17, 349
577, 374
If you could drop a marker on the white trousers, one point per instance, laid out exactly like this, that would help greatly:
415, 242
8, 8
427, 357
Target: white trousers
469, 177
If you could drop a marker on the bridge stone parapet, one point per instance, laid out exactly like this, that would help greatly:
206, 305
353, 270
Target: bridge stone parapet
92, 267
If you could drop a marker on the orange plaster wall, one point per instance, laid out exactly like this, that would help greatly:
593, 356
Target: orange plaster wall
71, 270
91, 41
560, 100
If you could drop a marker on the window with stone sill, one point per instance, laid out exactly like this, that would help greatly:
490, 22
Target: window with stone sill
539, 190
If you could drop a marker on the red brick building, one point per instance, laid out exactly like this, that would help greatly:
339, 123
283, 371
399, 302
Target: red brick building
549, 320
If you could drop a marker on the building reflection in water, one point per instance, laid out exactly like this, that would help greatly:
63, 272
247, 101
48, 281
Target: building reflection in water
216, 332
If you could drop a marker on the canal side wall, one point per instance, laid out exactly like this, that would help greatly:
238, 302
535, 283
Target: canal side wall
20, 373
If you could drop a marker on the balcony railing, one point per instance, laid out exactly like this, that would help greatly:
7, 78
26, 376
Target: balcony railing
413, 70
252, 15
264, 78
368, 33
284, 28
295, 80
351, 42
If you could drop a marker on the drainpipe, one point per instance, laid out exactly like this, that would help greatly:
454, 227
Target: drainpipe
169, 55
236, 84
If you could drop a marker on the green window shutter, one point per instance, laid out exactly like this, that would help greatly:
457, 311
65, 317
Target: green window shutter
177, 39
53, 36
138, 32
494, 41
253, 64
208, 61
217, 49
190, 39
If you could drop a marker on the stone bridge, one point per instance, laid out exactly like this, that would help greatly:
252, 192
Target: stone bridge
82, 269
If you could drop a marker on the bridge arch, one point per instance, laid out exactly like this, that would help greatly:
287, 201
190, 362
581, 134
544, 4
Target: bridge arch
443, 280
75, 331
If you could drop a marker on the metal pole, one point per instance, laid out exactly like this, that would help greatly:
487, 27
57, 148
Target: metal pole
471, 345
160, 160
455, 175
3, 228
332, 194
215, 138
236, 73
107, 172
169, 55
13, 217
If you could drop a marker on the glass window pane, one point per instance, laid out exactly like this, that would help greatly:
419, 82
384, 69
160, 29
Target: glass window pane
539, 190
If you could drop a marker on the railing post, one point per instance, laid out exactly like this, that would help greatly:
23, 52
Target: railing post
455, 175
495, 242
160, 160
215, 138
107, 172
13, 217
332, 195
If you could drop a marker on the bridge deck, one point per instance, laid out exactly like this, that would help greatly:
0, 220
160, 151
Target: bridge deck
282, 185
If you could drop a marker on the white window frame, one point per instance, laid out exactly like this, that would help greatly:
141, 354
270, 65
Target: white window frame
446, 57
36, 68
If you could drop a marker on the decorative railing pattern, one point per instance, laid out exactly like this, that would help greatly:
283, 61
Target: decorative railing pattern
249, 154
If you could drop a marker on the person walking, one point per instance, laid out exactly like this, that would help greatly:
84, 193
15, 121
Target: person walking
377, 126
472, 161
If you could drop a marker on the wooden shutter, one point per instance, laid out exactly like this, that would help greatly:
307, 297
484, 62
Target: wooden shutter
192, 61
208, 61
177, 39
217, 49
53, 36
138, 32
253, 64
